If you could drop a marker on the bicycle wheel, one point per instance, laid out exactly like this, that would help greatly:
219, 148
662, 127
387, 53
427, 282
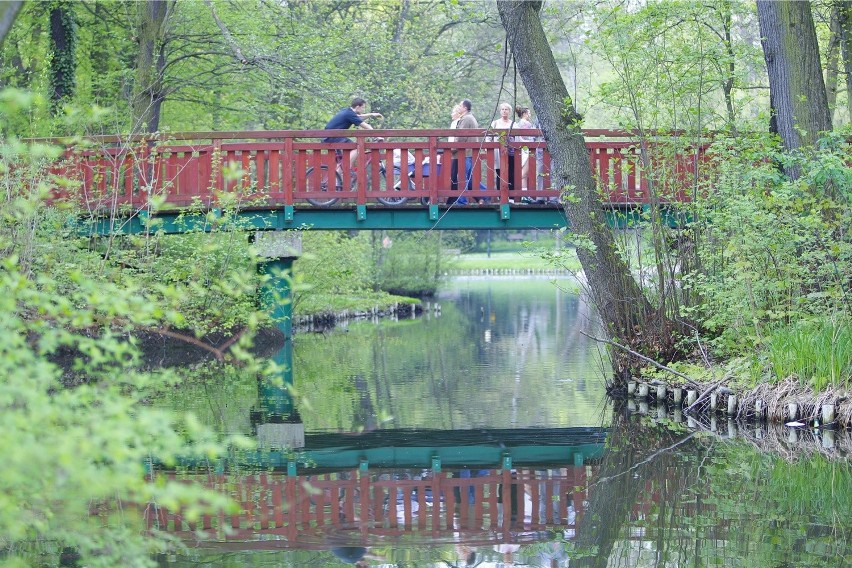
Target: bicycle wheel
394, 196
323, 186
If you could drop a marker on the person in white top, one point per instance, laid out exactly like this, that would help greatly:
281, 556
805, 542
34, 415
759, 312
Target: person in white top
524, 122
503, 123
455, 115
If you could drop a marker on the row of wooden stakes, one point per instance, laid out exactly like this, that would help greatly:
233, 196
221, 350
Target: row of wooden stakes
722, 400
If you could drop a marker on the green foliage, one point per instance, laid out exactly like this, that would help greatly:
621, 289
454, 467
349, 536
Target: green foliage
671, 63
334, 262
210, 276
339, 271
776, 253
77, 430
778, 249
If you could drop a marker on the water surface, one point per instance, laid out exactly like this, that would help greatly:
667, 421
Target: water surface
481, 436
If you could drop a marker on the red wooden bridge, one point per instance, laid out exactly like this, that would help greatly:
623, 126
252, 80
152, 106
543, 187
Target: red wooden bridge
268, 170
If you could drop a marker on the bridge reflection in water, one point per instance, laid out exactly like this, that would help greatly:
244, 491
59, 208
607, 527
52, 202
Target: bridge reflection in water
362, 507
478, 487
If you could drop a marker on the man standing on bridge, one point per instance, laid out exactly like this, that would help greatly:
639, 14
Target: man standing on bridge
354, 115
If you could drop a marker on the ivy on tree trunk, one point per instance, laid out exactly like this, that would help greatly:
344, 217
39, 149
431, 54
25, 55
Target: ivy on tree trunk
844, 22
63, 43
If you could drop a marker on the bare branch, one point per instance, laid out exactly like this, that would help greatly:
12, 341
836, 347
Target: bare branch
227, 34
642, 357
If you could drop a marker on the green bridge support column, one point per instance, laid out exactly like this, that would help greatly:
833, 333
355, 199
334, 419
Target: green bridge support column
278, 249
276, 420
276, 293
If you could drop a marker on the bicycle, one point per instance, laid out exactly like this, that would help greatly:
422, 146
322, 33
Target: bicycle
393, 201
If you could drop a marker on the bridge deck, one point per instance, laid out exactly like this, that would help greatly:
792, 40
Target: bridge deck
496, 217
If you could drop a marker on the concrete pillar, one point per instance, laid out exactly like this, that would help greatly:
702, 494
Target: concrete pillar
277, 251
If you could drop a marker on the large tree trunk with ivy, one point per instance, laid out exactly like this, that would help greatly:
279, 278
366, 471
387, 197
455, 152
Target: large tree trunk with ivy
148, 92
63, 43
626, 313
797, 90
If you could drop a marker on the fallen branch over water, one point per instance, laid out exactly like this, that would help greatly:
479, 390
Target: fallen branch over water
642, 357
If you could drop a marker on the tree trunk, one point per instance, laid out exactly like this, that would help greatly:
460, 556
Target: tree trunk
63, 63
797, 91
148, 88
832, 68
626, 313
844, 20
8, 12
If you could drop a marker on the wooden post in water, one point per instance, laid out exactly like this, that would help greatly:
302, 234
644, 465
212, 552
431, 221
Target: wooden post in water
732, 404
759, 409
661, 392
792, 435
642, 391
792, 411
678, 396
827, 414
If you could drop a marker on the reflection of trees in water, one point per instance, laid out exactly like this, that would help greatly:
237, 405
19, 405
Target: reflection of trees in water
505, 354
680, 499
638, 460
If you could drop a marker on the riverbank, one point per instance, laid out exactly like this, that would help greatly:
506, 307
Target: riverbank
324, 320
788, 402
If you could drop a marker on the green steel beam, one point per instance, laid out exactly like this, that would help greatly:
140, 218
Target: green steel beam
425, 457
432, 449
403, 218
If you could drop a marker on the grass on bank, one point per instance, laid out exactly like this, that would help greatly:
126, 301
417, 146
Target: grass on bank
528, 258
817, 352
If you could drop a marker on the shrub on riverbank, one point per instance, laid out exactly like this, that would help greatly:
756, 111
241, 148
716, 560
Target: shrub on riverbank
776, 259
761, 267
359, 271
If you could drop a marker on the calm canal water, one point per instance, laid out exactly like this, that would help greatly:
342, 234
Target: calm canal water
481, 436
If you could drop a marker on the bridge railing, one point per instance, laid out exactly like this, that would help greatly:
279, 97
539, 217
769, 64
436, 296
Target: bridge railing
275, 168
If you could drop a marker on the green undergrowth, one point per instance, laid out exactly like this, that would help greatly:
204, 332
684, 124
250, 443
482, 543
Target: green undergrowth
815, 353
